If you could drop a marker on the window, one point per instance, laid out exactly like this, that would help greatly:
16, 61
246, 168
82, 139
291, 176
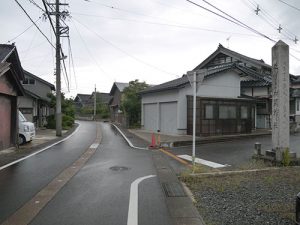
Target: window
227, 112
209, 112
261, 105
244, 112
25, 81
29, 81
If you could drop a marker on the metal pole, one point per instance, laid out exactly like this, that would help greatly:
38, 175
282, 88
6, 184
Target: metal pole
95, 96
194, 117
58, 84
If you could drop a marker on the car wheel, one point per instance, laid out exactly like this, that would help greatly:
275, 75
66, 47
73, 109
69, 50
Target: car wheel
22, 139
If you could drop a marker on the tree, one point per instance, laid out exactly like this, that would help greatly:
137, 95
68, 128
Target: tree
131, 101
67, 109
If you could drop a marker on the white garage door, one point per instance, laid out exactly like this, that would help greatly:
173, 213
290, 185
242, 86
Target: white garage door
150, 117
168, 117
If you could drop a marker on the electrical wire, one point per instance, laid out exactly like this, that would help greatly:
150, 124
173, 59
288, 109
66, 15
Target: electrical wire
123, 51
34, 3
34, 23
232, 19
23, 31
168, 25
294, 7
72, 61
87, 49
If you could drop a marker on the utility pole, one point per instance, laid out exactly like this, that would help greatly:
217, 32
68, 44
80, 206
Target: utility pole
194, 77
58, 81
95, 99
53, 9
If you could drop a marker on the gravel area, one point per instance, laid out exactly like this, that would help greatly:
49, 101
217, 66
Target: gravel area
265, 197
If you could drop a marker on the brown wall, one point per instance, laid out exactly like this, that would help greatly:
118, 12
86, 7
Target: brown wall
8, 113
5, 122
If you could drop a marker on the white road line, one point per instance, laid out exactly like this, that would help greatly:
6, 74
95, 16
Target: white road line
132, 218
94, 145
203, 161
128, 141
37, 152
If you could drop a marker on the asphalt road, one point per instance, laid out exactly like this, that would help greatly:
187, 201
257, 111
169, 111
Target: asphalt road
98, 194
236, 153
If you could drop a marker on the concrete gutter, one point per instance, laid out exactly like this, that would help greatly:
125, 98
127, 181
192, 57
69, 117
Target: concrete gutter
178, 200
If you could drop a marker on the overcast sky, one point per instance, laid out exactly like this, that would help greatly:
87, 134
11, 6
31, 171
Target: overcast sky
151, 40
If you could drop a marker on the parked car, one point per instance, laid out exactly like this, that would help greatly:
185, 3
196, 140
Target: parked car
26, 130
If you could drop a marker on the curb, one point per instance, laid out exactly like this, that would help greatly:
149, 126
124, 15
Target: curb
127, 140
42, 147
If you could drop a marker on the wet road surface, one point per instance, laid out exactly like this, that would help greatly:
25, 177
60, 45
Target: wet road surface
98, 194
236, 153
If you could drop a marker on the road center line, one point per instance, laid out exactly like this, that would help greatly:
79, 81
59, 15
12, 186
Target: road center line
203, 161
132, 218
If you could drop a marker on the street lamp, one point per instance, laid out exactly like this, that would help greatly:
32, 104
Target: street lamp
194, 77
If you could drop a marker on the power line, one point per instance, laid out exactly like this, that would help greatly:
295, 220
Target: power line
166, 24
123, 51
87, 49
34, 23
294, 7
23, 31
232, 19
72, 61
34, 3
268, 18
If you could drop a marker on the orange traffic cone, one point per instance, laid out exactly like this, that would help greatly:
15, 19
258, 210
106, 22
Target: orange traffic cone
153, 142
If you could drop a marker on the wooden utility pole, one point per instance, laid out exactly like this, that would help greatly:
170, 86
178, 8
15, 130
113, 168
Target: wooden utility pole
58, 80
53, 9
95, 102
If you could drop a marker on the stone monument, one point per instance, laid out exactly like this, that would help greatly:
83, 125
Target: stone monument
280, 99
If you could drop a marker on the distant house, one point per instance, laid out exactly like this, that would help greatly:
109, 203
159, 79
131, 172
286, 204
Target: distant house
104, 98
35, 103
235, 97
11, 73
87, 100
116, 91
81, 100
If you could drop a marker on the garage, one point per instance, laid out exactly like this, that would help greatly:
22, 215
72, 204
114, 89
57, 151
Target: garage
150, 117
168, 117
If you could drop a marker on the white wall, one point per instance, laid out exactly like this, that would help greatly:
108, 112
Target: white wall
226, 85
247, 91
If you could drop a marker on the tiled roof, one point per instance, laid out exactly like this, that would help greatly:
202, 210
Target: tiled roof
5, 51
121, 86
256, 78
104, 97
84, 97
234, 54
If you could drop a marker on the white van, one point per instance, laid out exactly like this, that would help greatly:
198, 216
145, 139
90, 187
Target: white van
26, 130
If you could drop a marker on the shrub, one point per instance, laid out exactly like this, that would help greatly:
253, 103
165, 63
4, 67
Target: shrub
286, 159
67, 122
